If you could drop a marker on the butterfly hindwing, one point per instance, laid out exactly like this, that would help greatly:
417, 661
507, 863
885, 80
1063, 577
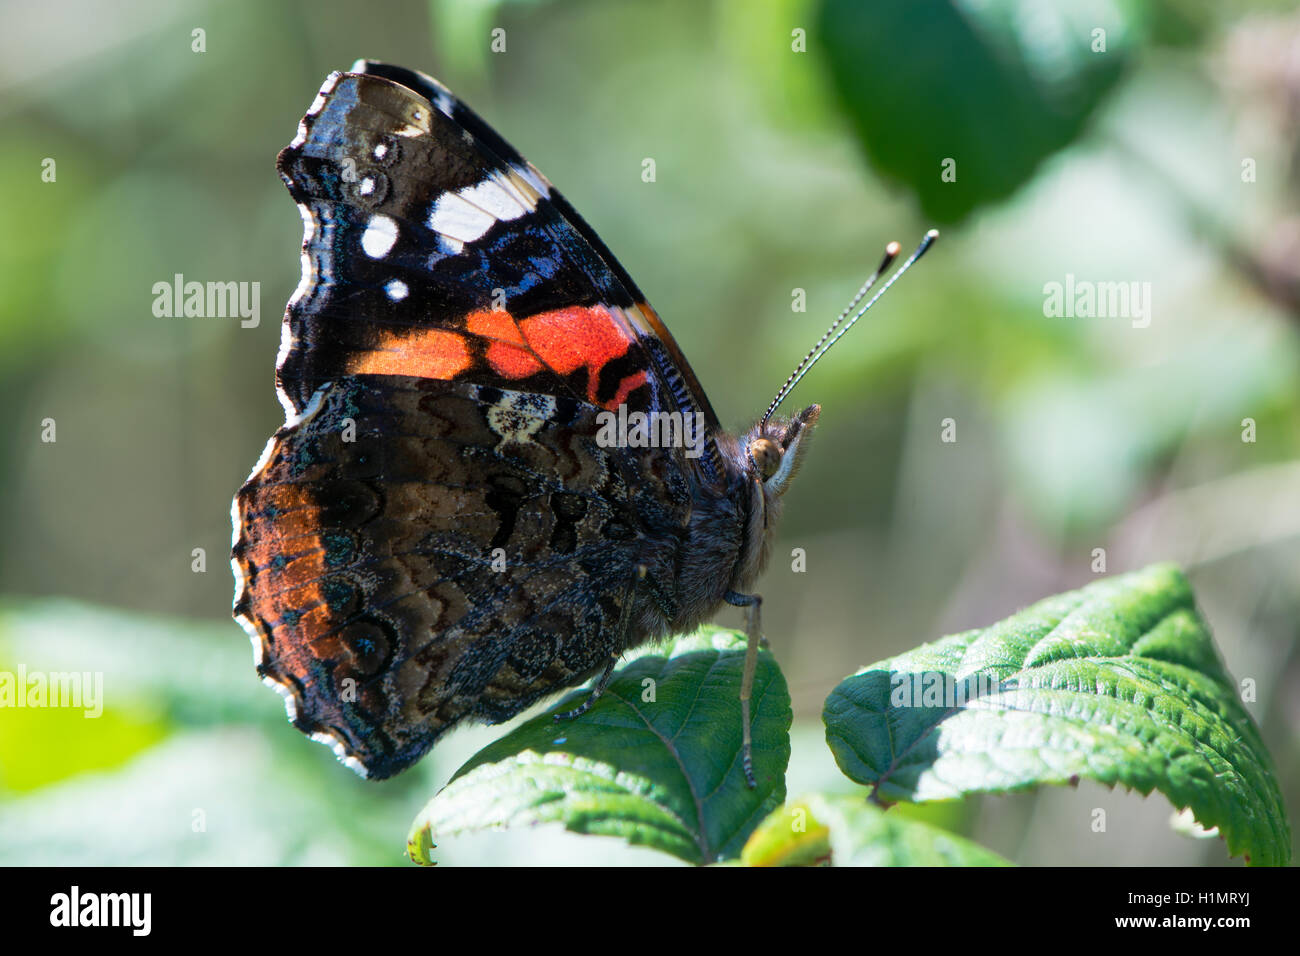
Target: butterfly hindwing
449, 561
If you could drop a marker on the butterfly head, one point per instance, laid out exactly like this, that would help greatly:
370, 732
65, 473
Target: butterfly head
776, 447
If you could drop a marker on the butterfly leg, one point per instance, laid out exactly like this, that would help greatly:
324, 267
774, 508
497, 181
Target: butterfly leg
624, 619
595, 692
752, 604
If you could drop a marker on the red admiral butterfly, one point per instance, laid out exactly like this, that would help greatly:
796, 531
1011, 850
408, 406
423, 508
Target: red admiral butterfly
498, 472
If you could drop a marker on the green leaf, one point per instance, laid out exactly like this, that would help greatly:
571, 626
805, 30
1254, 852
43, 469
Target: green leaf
186, 727
655, 761
987, 85
140, 656
846, 830
1118, 682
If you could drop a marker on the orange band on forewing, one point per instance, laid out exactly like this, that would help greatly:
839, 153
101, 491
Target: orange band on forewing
434, 353
625, 388
577, 337
505, 352
563, 340
494, 324
567, 339
512, 362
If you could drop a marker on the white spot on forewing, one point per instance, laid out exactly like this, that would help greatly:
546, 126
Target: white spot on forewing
466, 215
396, 289
533, 178
456, 218
367, 186
379, 237
381, 151
493, 199
517, 189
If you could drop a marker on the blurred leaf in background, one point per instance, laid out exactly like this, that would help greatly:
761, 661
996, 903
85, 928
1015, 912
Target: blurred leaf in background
961, 100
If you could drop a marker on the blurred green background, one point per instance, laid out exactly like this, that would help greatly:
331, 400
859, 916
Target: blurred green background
1171, 156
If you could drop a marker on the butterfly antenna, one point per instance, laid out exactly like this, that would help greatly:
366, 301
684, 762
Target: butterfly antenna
839, 327
891, 253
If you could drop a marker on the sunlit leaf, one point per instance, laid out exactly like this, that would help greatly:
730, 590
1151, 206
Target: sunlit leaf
1118, 682
846, 830
656, 761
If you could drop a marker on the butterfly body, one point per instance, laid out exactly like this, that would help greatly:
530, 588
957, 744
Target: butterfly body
449, 526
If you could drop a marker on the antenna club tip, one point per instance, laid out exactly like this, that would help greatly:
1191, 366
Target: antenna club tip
932, 234
893, 248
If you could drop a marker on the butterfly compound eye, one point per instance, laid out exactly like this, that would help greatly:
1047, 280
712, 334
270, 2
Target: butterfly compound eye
766, 456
